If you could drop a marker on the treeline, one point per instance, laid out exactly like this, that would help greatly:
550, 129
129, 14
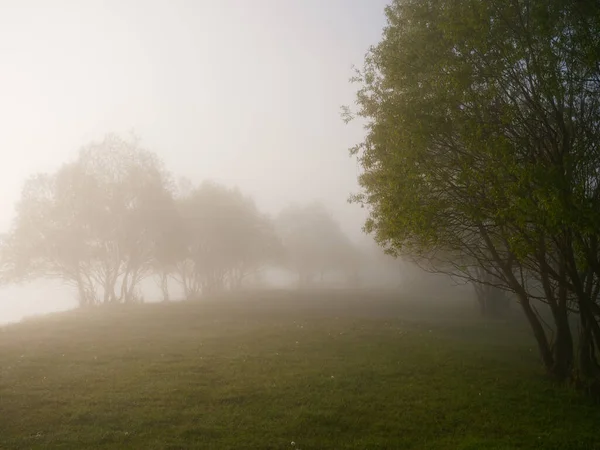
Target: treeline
115, 217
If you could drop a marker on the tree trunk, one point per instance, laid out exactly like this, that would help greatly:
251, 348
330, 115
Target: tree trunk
589, 370
83, 299
480, 295
562, 347
164, 286
493, 302
538, 331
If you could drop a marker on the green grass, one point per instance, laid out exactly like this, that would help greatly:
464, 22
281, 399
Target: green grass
324, 370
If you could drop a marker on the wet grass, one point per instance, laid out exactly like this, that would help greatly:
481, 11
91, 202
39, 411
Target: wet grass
321, 370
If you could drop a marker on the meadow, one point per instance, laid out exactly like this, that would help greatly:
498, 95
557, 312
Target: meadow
284, 370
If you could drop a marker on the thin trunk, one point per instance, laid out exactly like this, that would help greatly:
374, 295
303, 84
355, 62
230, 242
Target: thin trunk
595, 332
164, 286
532, 318
563, 343
538, 331
83, 297
492, 301
480, 296
563, 346
123, 297
587, 360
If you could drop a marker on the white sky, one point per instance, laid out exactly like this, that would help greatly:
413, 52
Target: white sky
246, 92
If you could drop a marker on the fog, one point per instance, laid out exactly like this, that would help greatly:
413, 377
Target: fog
247, 94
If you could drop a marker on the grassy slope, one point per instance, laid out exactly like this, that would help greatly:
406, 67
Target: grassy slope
322, 371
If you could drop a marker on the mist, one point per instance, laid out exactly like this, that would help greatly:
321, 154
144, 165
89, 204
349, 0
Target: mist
301, 224
246, 96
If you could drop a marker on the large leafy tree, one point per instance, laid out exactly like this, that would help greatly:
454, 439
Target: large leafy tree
94, 223
481, 155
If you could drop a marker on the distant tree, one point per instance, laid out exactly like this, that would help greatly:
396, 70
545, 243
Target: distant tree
482, 155
315, 243
226, 239
169, 246
94, 223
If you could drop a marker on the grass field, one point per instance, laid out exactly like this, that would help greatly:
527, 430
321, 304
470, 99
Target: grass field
282, 371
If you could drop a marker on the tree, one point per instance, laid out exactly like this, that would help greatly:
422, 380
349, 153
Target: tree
169, 245
493, 301
226, 239
315, 243
94, 223
482, 158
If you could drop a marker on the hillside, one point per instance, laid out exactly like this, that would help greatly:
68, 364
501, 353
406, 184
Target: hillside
279, 371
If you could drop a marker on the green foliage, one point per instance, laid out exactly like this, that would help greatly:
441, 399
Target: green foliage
482, 148
469, 105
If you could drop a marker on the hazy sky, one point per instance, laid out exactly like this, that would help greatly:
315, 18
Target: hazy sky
247, 92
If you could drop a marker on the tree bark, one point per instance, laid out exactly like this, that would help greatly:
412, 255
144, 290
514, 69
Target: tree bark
538, 332
493, 302
562, 347
164, 286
